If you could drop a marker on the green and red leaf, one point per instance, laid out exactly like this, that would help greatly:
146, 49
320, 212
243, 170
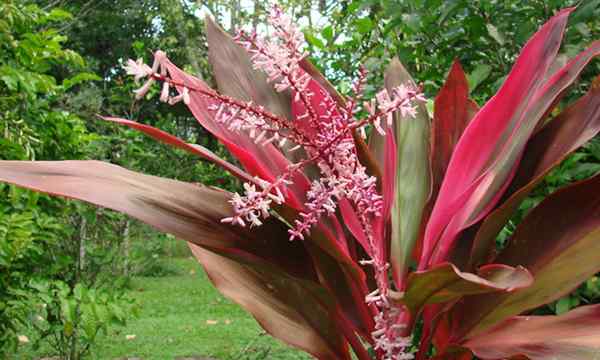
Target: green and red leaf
573, 336
412, 178
298, 312
445, 282
558, 242
575, 126
475, 180
190, 212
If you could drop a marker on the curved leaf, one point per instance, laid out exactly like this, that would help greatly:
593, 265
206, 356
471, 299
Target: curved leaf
297, 312
445, 282
176, 142
558, 242
571, 336
575, 126
194, 213
475, 180
190, 212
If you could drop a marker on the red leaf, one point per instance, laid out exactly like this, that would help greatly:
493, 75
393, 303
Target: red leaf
298, 312
178, 143
575, 126
365, 156
265, 161
190, 212
574, 335
444, 283
558, 242
452, 112
484, 159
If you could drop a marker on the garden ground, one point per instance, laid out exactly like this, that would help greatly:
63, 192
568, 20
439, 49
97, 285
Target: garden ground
183, 316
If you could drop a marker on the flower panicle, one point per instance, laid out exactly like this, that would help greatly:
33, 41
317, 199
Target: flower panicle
332, 148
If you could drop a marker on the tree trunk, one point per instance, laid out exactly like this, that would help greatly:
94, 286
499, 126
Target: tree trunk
73, 353
126, 248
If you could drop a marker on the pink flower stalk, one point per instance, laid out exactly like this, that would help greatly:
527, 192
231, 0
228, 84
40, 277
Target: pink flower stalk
324, 131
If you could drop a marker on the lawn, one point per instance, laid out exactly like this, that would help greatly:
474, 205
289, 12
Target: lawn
183, 316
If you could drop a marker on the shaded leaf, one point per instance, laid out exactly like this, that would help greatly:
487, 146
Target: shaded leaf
297, 312
445, 282
235, 75
558, 242
574, 335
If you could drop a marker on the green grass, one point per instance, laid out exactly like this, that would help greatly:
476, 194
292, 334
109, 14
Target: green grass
174, 311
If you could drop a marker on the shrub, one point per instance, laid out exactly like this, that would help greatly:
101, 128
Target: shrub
394, 252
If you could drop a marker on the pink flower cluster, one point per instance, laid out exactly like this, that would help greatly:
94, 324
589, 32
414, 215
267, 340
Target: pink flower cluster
324, 131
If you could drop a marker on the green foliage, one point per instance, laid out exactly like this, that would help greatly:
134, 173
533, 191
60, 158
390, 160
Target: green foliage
38, 75
428, 35
70, 318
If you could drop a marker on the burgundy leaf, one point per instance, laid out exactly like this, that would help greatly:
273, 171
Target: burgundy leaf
444, 282
571, 336
297, 312
190, 212
558, 242
235, 75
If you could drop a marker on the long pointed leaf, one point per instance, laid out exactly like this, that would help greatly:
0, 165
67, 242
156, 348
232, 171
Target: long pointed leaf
174, 141
193, 213
571, 336
558, 242
571, 129
413, 175
294, 311
476, 179
452, 112
190, 212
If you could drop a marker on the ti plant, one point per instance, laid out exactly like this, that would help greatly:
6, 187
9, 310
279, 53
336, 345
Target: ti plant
394, 250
